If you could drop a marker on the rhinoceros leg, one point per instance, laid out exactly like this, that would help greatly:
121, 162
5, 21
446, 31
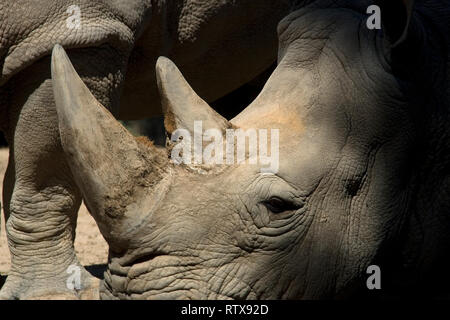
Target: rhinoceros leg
41, 198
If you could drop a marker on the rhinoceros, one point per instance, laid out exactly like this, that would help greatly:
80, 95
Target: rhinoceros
219, 44
363, 176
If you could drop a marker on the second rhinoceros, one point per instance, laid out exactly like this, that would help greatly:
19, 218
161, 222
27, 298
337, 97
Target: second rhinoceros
362, 177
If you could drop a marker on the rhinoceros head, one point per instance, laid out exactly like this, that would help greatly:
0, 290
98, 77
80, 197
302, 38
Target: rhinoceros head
305, 225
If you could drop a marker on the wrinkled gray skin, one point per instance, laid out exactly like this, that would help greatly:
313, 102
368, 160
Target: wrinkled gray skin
220, 45
364, 162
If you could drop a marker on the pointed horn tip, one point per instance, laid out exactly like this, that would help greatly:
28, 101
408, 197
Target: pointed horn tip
58, 52
163, 61
163, 65
57, 48
59, 57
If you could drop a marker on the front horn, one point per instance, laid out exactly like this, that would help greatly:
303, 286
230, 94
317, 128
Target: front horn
109, 165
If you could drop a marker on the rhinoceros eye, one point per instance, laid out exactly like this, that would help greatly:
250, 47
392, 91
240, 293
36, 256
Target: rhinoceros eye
278, 205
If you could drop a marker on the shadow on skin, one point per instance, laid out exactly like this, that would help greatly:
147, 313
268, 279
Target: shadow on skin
96, 270
2, 280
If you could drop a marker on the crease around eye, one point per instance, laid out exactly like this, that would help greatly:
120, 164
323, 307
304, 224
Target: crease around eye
278, 205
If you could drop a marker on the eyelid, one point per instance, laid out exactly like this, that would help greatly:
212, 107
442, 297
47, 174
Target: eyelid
265, 187
291, 197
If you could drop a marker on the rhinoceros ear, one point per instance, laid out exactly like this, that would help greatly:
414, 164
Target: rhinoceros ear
105, 159
181, 105
396, 19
